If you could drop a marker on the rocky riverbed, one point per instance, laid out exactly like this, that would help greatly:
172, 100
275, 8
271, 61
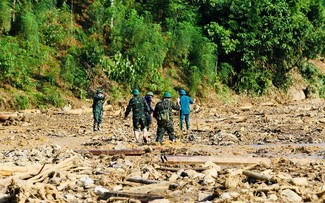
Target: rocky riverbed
253, 151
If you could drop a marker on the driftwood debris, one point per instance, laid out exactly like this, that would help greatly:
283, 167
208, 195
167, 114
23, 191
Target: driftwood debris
199, 169
62, 165
258, 176
3, 118
143, 197
127, 152
143, 181
185, 159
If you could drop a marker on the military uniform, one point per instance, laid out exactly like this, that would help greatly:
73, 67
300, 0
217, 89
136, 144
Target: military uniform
165, 126
98, 110
139, 107
148, 99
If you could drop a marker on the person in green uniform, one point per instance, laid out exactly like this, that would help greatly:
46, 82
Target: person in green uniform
139, 107
98, 101
163, 115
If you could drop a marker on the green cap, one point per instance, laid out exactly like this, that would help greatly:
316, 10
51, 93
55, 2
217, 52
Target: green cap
99, 91
150, 93
167, 95
135, 92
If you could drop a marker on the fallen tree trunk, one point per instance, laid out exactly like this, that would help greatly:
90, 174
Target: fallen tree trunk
184, 159
127, 152
143, 197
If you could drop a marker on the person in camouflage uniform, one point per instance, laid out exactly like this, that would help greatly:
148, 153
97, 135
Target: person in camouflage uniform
98, 101
139, 107
165, 125
148, 99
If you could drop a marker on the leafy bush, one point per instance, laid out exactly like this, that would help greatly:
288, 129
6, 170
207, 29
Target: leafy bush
22, 102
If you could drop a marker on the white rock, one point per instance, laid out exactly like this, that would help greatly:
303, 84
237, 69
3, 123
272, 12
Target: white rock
284, 176
272, 198
300, 181
87, 182
229, 195
70, 198
203, 196
173, 177
210, 165
290, 196
55, 181
117, 187
193, 174
211, 172
209, 180
99, 190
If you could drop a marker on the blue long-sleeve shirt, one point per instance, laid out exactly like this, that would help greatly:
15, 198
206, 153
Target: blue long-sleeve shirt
184, 102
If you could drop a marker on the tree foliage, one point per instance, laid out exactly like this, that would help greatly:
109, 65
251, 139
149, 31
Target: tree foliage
247, 45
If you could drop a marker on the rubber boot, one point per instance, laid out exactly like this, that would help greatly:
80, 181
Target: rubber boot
94, 127
99, 127
144, 136
136, 136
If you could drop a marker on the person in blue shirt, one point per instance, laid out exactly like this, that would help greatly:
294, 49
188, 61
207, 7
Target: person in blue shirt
184, 102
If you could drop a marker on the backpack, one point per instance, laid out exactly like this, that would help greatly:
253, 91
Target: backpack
164, 114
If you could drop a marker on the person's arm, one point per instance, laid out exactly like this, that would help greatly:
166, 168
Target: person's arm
175, 106
157, 109
191, 100
146, 106
128, 109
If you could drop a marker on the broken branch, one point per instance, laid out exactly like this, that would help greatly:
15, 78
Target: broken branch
176, 159
127, 152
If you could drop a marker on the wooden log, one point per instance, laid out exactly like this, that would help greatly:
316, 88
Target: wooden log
127, 152
143, 197
258, 176
185, 159
43, 174
199, 169
143, 181
3, 118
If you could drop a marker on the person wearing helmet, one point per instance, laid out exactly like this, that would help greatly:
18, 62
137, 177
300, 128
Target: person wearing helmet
98, 101
163, 115
184, 102
148, 99
138, 106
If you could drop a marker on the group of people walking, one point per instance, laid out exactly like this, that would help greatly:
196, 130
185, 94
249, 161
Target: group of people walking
142, 112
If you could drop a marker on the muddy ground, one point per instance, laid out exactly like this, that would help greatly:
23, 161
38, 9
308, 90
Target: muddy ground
270, 152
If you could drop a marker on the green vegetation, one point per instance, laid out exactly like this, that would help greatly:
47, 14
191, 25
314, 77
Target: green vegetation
52, 49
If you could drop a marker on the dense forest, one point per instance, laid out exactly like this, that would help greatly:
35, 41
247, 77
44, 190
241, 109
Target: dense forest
51, 50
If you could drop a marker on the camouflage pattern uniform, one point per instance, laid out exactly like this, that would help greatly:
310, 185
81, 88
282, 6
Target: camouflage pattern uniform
98, 110
165, 126
138, 106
